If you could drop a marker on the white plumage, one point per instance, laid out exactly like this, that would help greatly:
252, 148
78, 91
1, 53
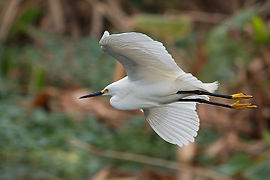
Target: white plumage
140, 55
152, 82
176, 123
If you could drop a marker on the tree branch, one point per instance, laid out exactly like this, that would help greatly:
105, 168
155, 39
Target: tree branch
148, 160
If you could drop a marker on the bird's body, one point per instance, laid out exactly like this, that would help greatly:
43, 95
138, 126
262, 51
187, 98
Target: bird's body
129, 91
148, 65
155, 84
129, 95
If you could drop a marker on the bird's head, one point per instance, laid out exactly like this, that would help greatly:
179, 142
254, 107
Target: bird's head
107, 91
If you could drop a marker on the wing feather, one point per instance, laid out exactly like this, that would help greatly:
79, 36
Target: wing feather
186, 133
176, 123
140, 55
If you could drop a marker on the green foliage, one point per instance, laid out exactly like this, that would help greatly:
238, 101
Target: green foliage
261, 32
8, 59
162, 26
260, 171
188, 44
223, 50
236, 164
266, 137
205, 159
81, 61
24, 21
34, 142
33, 145
207, 136
137, 129
38, 80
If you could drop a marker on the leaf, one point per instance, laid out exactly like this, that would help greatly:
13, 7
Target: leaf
261, 32
38, 78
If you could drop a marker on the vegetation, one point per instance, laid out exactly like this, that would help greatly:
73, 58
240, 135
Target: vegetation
49, 54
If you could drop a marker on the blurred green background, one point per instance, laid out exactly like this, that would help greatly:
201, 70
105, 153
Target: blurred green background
50, 56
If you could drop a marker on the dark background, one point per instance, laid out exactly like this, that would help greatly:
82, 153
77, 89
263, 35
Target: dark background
50, 56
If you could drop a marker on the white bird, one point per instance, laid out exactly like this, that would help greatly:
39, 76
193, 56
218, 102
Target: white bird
156, 85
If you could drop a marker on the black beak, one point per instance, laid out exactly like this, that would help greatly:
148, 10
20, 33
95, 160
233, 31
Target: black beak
92, 94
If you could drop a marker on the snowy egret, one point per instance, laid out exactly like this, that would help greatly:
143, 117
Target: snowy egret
156, 85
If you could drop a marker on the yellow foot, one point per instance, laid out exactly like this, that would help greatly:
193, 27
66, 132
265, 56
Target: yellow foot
240, 96
237, 105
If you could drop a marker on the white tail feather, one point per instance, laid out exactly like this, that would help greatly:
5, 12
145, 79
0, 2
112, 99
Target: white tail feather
189, 82
211, 87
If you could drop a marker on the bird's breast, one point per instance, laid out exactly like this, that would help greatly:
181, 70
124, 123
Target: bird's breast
133, 95
130, 102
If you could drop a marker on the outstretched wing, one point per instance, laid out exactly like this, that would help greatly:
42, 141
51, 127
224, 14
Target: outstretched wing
176, 123
141, 56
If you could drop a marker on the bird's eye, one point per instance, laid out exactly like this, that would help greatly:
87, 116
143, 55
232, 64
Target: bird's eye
105, 91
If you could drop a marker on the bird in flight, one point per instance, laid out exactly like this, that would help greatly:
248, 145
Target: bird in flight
156, 85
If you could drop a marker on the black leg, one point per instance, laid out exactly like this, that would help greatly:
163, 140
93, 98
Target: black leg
234, 96
206, 102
